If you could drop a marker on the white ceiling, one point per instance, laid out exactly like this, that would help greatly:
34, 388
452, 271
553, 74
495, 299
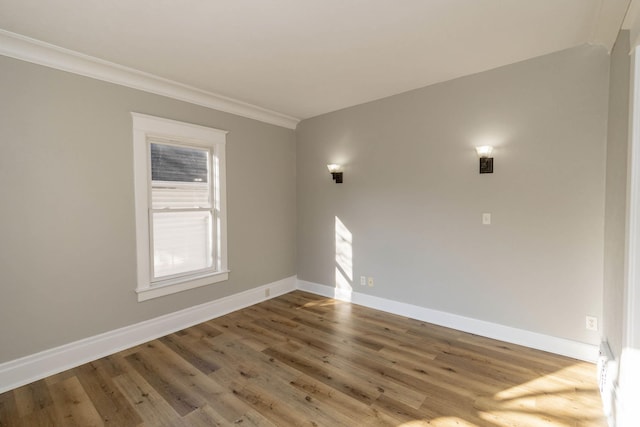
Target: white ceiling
308, 57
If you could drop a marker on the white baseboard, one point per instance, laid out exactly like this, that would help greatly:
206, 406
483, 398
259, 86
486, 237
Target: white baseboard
607, 381
18, 372
522, 337
25, 370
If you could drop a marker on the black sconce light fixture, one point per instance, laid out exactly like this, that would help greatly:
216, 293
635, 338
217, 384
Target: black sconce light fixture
336, 172
486, 161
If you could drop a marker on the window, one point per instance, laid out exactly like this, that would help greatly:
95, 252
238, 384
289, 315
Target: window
180, 205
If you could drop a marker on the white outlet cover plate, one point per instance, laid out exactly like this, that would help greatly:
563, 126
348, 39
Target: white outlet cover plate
592, 323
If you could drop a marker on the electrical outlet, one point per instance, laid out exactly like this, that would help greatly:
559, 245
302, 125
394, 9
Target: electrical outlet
370, 281
591, 323
363, 280
267, 293
486, 219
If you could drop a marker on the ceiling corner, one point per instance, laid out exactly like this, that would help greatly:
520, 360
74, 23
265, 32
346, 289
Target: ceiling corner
608, 21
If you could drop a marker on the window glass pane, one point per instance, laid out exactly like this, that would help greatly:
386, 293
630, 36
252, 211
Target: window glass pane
181, 242
179, 177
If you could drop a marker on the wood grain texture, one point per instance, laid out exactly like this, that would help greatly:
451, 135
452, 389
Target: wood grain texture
306, 360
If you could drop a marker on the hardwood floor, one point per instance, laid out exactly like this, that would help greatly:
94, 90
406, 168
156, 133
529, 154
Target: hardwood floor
301, 359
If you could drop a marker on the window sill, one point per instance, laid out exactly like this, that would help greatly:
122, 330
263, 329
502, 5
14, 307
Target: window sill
159, 290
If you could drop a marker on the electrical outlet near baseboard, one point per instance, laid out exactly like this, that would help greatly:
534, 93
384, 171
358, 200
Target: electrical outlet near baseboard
591, 323
363, 280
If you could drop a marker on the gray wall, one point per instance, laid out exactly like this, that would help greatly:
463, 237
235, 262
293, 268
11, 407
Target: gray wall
616, 193
412, 197
67, 240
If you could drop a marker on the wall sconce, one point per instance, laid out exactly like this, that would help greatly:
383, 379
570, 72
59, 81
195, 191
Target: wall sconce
486, 161
336, 172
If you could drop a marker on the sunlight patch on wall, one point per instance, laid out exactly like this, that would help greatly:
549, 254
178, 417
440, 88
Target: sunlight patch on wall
344, 261
344, 249
343, 288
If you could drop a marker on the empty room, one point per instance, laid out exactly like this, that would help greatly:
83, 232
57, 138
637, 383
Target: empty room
320, 213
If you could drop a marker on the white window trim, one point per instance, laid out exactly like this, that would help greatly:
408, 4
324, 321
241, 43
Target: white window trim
145, 127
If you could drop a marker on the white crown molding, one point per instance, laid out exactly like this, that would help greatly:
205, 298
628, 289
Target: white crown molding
38, 52
496, 331
25, 370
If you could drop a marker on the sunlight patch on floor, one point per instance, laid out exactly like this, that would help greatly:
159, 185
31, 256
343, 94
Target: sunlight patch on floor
555, 399
439, 422
320, 303
553, 396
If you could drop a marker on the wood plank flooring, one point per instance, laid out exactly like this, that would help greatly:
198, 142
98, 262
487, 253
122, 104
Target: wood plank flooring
305, 360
